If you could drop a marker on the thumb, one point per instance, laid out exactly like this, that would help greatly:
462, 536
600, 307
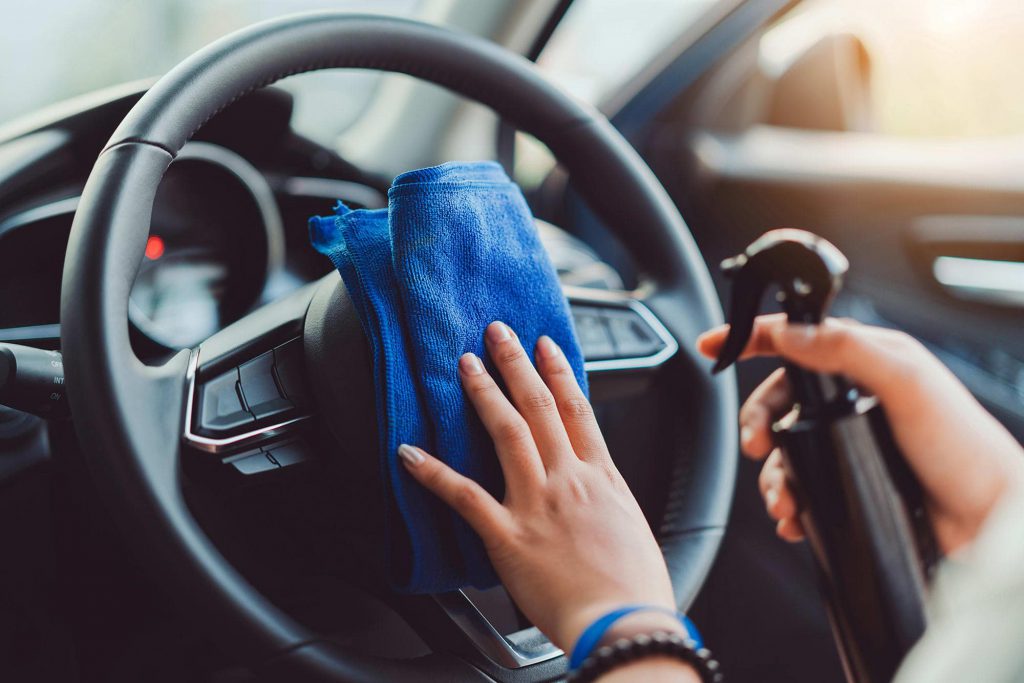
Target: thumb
867, 356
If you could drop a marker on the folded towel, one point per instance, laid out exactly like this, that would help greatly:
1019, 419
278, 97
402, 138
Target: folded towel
456, 249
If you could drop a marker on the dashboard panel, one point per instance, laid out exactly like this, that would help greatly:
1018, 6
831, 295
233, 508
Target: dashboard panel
32, 245
225, 235
228, 231
215, 239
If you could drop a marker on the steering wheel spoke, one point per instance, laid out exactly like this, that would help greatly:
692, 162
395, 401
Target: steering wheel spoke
624, 343
248, 398
516, 650
617, 332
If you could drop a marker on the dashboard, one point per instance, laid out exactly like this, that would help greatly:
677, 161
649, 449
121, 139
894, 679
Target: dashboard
215, 240
228, 229
225, 236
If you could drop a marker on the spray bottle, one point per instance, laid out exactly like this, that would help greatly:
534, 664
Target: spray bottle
861, 506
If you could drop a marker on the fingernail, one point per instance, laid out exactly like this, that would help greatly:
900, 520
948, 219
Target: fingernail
470, 364
547, 348
771, 498
746, 435
411, 455
498, 331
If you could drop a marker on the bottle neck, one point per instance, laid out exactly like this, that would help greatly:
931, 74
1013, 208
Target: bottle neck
819, 394
816, 393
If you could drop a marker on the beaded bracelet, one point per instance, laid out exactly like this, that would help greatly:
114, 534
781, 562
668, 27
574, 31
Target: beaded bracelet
626, 650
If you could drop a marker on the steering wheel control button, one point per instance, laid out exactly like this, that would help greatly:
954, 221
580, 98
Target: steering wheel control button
595, 341
221, 406
260, 389
250, 463
632, 337
290, 372
288, 454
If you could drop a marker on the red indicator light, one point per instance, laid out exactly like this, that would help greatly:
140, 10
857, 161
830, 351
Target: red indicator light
154, 247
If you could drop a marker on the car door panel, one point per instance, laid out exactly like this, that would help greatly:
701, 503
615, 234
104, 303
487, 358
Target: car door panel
904, 212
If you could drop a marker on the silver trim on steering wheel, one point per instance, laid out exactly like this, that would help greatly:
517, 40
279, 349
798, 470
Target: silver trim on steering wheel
612, 299
514, 651
229, 443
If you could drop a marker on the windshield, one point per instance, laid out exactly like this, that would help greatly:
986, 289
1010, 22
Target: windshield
64, 48
601, 44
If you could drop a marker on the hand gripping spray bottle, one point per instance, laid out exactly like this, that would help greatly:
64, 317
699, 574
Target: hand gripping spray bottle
860, 505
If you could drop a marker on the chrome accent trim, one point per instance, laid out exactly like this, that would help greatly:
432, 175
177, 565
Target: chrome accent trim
987, 280
514, 651
238, 442
624, 300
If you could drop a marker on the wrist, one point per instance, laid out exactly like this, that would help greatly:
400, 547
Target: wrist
625, 622
569, 630
637, 623
640, 632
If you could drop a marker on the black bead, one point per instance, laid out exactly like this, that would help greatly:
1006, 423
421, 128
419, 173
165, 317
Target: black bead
631, 649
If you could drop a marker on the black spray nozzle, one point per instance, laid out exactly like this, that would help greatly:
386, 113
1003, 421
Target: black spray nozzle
807, 269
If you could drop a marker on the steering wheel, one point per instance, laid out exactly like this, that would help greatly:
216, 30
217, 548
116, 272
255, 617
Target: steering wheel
139, 424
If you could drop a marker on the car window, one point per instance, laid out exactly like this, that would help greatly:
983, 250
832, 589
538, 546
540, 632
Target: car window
600, 44
57, 49
597, 48
939, 68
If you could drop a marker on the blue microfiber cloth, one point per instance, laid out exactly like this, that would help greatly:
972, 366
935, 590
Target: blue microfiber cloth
456, 249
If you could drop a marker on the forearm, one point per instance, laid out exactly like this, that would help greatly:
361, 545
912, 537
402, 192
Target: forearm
652, 670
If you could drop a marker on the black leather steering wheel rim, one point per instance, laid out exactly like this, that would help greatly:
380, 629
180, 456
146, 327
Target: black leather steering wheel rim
127, 415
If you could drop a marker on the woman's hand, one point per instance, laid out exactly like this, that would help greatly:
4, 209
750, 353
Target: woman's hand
569, 540
963, 457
